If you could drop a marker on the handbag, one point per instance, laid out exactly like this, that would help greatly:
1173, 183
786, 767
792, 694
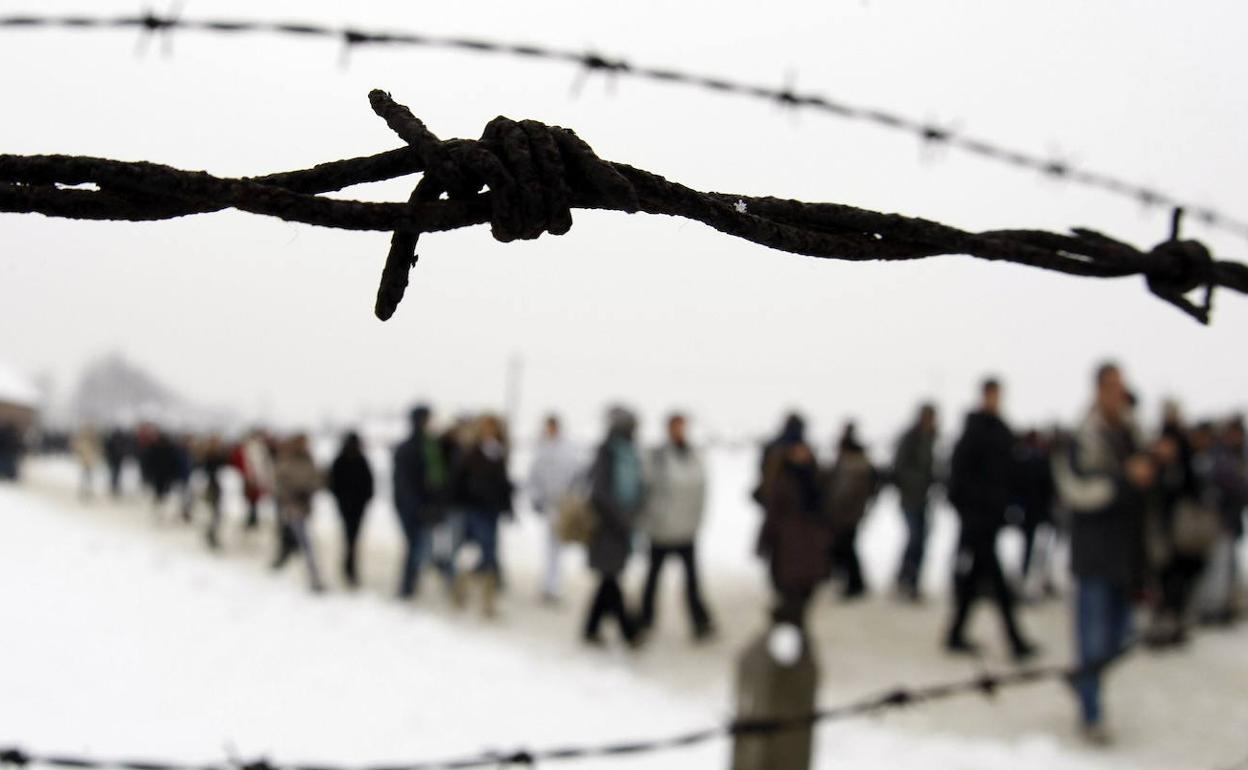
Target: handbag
575, 517
1196, 528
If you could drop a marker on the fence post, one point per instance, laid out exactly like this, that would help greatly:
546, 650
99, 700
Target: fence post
777, 678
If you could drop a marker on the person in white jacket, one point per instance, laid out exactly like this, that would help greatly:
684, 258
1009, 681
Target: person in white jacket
676, 480
556, 465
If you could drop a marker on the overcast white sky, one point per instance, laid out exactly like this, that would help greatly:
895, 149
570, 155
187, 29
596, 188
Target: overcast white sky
261, 314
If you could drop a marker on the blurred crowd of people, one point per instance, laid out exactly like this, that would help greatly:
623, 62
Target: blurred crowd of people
1150, 519
1153, 519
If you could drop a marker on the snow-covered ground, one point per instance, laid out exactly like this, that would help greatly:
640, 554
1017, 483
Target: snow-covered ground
122, 635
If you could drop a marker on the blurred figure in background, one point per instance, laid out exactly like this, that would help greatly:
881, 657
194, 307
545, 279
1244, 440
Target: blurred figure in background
1182, 491
617, 495
117, 447
1103, 478
89, 451
1219, 590
213, 456
979, 487
1035, 493
421, 478
675, 500
486, 490
183, 446
10, 451
164, 467
351, 483
796, 537
253, 458
556, 466
914, 472
297, 480
846, 490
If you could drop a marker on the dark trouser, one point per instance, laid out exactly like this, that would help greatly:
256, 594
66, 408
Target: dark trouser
1178, 579
481, 527
1102, 625
214, 515
976, 565
916, 545
352, 517
845, 558
609, 601
416, 532
693, 596
114, 477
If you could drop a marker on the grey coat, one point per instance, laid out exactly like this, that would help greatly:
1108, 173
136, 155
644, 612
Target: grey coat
676, 495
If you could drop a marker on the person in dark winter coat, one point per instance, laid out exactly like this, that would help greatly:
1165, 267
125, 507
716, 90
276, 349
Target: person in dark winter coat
914, 473
617, 494
117, 447
164, 466
980, 489
847, 489
1102, 478
351, 484
796, 537
421, 478
482, 484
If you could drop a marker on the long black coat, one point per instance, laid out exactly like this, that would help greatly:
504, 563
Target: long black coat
612, 540
982, 472
351, 482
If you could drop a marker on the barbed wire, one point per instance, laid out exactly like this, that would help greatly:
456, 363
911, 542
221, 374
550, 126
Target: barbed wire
930, 133
524, 178
986, 684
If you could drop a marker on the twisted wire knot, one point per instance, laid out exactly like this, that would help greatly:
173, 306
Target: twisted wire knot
1176, 268
534, 172
14, 756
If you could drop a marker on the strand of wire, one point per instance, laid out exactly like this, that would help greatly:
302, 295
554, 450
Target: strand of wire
524, 178
986, 684
930, 133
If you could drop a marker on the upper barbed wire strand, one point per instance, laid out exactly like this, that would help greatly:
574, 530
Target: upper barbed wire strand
926, 131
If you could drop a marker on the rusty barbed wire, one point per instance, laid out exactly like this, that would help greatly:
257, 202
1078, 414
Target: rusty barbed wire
524, 178
151, 24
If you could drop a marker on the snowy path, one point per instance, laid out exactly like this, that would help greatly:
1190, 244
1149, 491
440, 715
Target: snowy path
128, 638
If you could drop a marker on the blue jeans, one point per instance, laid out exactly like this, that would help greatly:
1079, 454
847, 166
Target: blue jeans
417, 535
1102, 625
916, 545
481, 527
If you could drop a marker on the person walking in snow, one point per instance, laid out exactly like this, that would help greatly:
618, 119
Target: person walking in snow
421, 479
1103, 479
980, 489
351, 483
485, 488
617, 494
796, 537
675, 504
297, 481
914, 474
847, 489
556, 466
